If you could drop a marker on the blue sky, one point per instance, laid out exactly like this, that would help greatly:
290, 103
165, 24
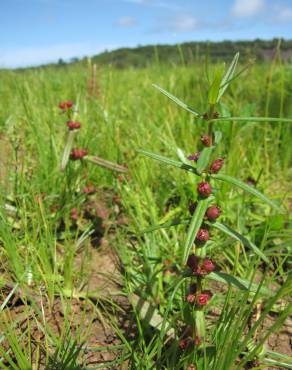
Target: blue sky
40, 31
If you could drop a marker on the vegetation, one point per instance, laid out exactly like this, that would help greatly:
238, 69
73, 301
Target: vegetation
61, 218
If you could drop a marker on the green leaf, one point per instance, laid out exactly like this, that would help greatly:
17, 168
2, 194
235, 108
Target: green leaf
204, 159
217, 137
238, 282
215, 87
228, 76
200, 323
107, 164
244, 186
177, 101
253, 119
150, 314
168, 161
235, 235
196, 222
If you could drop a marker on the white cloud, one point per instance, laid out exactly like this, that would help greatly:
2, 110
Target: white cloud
29, 56
126, 22
247, 8
155, 3
182, 23
283, 14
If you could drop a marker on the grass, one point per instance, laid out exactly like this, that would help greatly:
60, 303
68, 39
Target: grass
40, 243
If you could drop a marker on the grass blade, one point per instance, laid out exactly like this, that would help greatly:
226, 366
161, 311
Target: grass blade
107, 164
67, 149
254, 119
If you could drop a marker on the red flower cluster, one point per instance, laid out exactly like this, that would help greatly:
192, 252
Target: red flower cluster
203, 298
202, 235
199, 266
73, 125
216, 165
213, 213
78, 154
194, 157
65, 105
206, 140
204, 189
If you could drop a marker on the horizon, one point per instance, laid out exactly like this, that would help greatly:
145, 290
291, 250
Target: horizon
49, 30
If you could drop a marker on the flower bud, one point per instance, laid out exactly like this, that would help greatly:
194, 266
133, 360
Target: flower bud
208, 265
203, 298
183, 343
62, 105
69, 104
73, 125
191, 298
215, 114
194, 157
74, 214
213, 213
77, 154
203, 235
206, 140
204, 189
193, 262
216, 165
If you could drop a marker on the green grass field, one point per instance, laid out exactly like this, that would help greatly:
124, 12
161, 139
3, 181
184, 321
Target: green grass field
69, 286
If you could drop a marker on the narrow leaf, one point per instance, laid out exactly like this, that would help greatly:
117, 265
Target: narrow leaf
244, 186
107, 164
168, 161
67, 149
217, 137
204, 159
214, 90
196, 222
243, 240
228, 76
177, 101
150, 314
253, 119
238, 282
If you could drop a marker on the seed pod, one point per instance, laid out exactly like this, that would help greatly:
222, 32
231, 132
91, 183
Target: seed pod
216, 165
204, 189
203, 235
213, 213
206, 140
